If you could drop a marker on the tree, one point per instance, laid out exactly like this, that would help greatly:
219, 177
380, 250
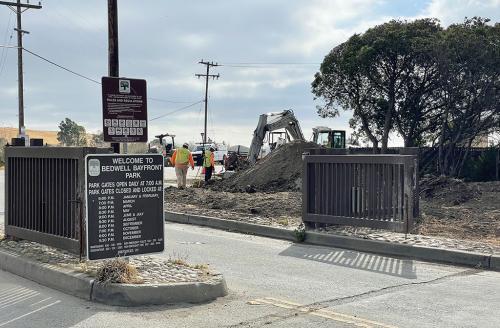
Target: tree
386, 76
71, 134
97, 140
3, 142
469, 66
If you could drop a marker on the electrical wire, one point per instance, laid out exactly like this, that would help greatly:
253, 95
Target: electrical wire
3, 57
265, 65
177, 110
95, 81
61, 67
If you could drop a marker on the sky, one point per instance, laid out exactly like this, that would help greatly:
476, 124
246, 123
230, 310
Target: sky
269, 51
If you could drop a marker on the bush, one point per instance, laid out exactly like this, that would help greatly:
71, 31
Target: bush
481, 168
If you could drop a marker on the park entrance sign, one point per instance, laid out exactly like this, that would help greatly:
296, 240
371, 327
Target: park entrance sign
124, 205
124, 110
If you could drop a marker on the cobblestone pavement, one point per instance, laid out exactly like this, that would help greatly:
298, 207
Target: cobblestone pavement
151, 269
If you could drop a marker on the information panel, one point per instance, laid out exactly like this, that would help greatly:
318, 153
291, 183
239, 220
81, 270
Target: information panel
124, 110
124, 205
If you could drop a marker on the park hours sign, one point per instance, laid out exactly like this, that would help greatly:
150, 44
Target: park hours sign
124, 205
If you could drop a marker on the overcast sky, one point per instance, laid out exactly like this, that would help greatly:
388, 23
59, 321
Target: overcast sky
162, 42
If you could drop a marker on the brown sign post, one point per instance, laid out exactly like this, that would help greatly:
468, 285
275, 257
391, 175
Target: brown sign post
124, 110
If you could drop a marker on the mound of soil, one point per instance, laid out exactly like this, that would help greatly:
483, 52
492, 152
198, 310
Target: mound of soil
279, 171
447, 191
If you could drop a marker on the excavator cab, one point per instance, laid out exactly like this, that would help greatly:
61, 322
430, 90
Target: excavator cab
329, 138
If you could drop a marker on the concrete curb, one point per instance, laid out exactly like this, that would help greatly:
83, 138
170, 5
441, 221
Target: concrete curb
211, 222
495, 262
364, 245
82, 286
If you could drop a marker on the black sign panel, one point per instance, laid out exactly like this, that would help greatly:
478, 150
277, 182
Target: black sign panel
124, 110
124, 205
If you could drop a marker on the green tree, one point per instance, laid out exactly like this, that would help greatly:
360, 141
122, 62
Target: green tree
71, 134
386, 76
469, 66
97, 140
3, 142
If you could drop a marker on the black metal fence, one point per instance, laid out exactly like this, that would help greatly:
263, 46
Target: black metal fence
378, 191
44, 194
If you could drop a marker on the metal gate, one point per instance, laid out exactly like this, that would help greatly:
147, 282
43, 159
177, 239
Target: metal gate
377, 191
44, 194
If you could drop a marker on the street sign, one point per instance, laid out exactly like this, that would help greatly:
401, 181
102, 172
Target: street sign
124, 205
124, 110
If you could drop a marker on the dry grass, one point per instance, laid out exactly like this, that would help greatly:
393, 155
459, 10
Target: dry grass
118, 271
283, 222
49, 137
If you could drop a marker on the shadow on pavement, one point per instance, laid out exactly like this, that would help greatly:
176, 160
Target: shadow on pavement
356, 260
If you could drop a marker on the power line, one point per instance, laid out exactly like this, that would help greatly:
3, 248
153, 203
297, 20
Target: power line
170, 101
61, 67
93, 80
266, 65
177, 110
2, 60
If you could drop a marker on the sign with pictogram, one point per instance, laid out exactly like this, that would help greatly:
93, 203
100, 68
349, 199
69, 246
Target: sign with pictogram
124, 110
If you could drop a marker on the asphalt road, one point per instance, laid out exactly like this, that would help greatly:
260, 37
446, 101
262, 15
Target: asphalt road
275, 283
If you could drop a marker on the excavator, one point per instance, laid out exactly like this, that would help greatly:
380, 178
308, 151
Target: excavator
268, 123
324, 136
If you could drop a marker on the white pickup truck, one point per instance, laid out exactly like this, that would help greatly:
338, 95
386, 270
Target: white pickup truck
220, 152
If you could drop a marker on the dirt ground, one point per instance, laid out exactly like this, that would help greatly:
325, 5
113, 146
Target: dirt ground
467, 211
470, 215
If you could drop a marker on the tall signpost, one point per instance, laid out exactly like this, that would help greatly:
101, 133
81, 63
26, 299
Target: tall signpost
113, 62
124, 193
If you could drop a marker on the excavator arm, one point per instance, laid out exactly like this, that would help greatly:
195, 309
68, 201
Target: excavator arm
271, 122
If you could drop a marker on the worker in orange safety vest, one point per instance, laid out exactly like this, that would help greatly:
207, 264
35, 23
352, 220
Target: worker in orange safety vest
182, 159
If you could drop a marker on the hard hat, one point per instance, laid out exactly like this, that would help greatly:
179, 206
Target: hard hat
185, 145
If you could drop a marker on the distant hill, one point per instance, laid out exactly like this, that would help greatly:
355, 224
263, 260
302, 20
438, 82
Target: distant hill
49, 137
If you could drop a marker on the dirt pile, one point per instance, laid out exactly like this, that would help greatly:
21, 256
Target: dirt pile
279, 171
447, 191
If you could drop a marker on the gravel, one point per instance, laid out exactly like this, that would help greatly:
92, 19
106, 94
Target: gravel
151, 270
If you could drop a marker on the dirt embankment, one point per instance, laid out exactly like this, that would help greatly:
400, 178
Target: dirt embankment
281, 208
279, 171
456, 209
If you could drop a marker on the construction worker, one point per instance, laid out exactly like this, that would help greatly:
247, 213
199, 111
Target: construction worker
209, 163
182, 159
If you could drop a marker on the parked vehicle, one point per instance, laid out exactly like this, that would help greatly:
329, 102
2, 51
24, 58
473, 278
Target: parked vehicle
220, 152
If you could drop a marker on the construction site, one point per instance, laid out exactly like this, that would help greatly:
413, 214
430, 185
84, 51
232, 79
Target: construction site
266, 188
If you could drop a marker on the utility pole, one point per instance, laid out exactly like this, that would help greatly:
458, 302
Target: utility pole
19, 10
113, 63
207, 76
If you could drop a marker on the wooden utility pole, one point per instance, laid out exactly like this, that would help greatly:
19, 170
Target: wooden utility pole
207, 76
20, 85
113, 62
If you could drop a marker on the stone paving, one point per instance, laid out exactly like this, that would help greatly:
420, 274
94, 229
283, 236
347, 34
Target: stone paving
151, 270
360, 232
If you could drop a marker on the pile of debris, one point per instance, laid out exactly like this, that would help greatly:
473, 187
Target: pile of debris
279, 171
446, 190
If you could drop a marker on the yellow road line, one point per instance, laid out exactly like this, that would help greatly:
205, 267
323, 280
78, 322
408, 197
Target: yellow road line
327, 314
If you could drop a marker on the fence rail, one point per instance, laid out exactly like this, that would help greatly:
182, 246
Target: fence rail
378, 191
44, 194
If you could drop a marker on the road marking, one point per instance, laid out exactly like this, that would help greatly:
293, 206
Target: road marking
45, 299
27, 314
327, 314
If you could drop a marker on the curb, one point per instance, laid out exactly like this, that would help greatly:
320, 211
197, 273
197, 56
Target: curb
495, 262
82, 286
364, 245
211, 222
